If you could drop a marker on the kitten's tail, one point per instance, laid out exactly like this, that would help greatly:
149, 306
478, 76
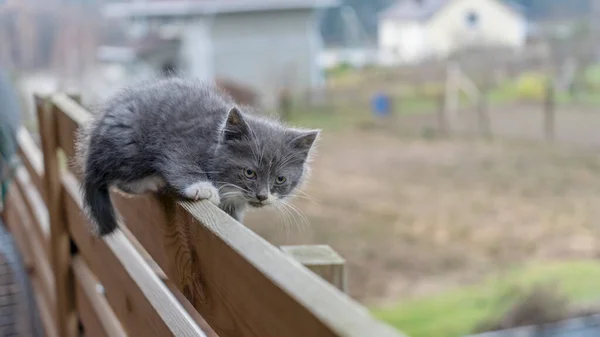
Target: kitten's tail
96, 197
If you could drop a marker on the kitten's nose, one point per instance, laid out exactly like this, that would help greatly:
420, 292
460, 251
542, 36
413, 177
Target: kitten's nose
262, 195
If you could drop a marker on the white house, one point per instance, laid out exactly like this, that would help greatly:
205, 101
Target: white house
414, 30
264, 45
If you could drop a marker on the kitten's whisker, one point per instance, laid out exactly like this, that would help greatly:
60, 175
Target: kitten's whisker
283, 219
303, 197
288, 158
232, 185
305, 220
289, 222
230, 195
303, 223
259, 154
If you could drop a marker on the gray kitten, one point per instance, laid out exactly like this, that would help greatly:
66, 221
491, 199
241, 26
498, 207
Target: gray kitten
187, 137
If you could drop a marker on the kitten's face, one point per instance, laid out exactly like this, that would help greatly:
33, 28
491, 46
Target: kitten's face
258, 163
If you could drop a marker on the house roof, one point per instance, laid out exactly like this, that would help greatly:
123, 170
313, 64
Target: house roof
420, 10
208, 7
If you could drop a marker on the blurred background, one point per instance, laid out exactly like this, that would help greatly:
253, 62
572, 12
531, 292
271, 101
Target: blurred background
459, 170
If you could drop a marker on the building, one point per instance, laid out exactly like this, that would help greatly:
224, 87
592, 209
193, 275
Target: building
415, 30
265, 45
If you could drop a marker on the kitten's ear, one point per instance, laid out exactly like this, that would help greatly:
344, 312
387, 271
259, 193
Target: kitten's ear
235, 126
304, 140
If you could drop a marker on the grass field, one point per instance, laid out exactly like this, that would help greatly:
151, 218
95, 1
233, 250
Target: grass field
458, 312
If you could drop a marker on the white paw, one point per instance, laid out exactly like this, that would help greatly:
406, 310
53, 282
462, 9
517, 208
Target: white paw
202, 190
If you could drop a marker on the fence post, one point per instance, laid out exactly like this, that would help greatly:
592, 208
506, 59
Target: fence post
483, 116
549, 112
284, 104
323, 261
442, 121
60, 241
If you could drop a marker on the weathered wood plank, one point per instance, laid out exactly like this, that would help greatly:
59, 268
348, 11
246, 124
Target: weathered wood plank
190, 309
323, 261
36, 208
32, 158
68, 122
35, 257
137, 295
14, 222
44, 309
300, 303
60, 242
97, 316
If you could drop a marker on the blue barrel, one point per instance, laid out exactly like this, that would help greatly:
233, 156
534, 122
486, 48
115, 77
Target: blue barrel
381, 105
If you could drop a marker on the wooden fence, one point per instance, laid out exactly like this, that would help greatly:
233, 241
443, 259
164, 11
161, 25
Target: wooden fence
169, 266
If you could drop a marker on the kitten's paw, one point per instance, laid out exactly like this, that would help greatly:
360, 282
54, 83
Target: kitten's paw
202, 190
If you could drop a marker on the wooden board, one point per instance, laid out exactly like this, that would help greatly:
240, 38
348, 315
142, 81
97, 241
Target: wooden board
35, 257
232, 300
137, 295
60, 242
32, 159
68, 122
97, 316
36, 208
323, 261
44, 308
14, 222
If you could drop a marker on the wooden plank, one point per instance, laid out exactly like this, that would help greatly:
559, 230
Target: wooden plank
68, 122
44, 309
65, 314
550, 112
40, 277
14, 222
232, 299
35, 258
242, 285
172, 287
97, 316
190, 309
32, 158
36, 207
323, 261
137, 295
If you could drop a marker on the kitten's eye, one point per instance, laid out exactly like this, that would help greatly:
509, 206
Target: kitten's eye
250, 174
280, 180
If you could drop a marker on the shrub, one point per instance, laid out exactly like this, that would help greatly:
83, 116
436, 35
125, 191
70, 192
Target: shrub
531, 87
592, 78
540, 305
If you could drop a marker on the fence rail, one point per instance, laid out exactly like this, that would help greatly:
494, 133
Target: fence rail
170, 265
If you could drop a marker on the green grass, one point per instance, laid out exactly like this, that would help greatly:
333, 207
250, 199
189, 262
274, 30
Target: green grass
342, 115
458, 312
330, 118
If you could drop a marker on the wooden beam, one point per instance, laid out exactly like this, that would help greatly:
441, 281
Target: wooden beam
34, 255
32, 158
550, 112
44, 308
36, 208
97, 317
323, 261
60, 241
137, 295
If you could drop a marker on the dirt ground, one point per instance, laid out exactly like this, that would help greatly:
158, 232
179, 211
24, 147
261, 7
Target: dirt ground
416, 216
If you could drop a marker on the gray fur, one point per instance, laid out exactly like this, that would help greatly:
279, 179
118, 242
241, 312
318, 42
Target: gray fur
186, 136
